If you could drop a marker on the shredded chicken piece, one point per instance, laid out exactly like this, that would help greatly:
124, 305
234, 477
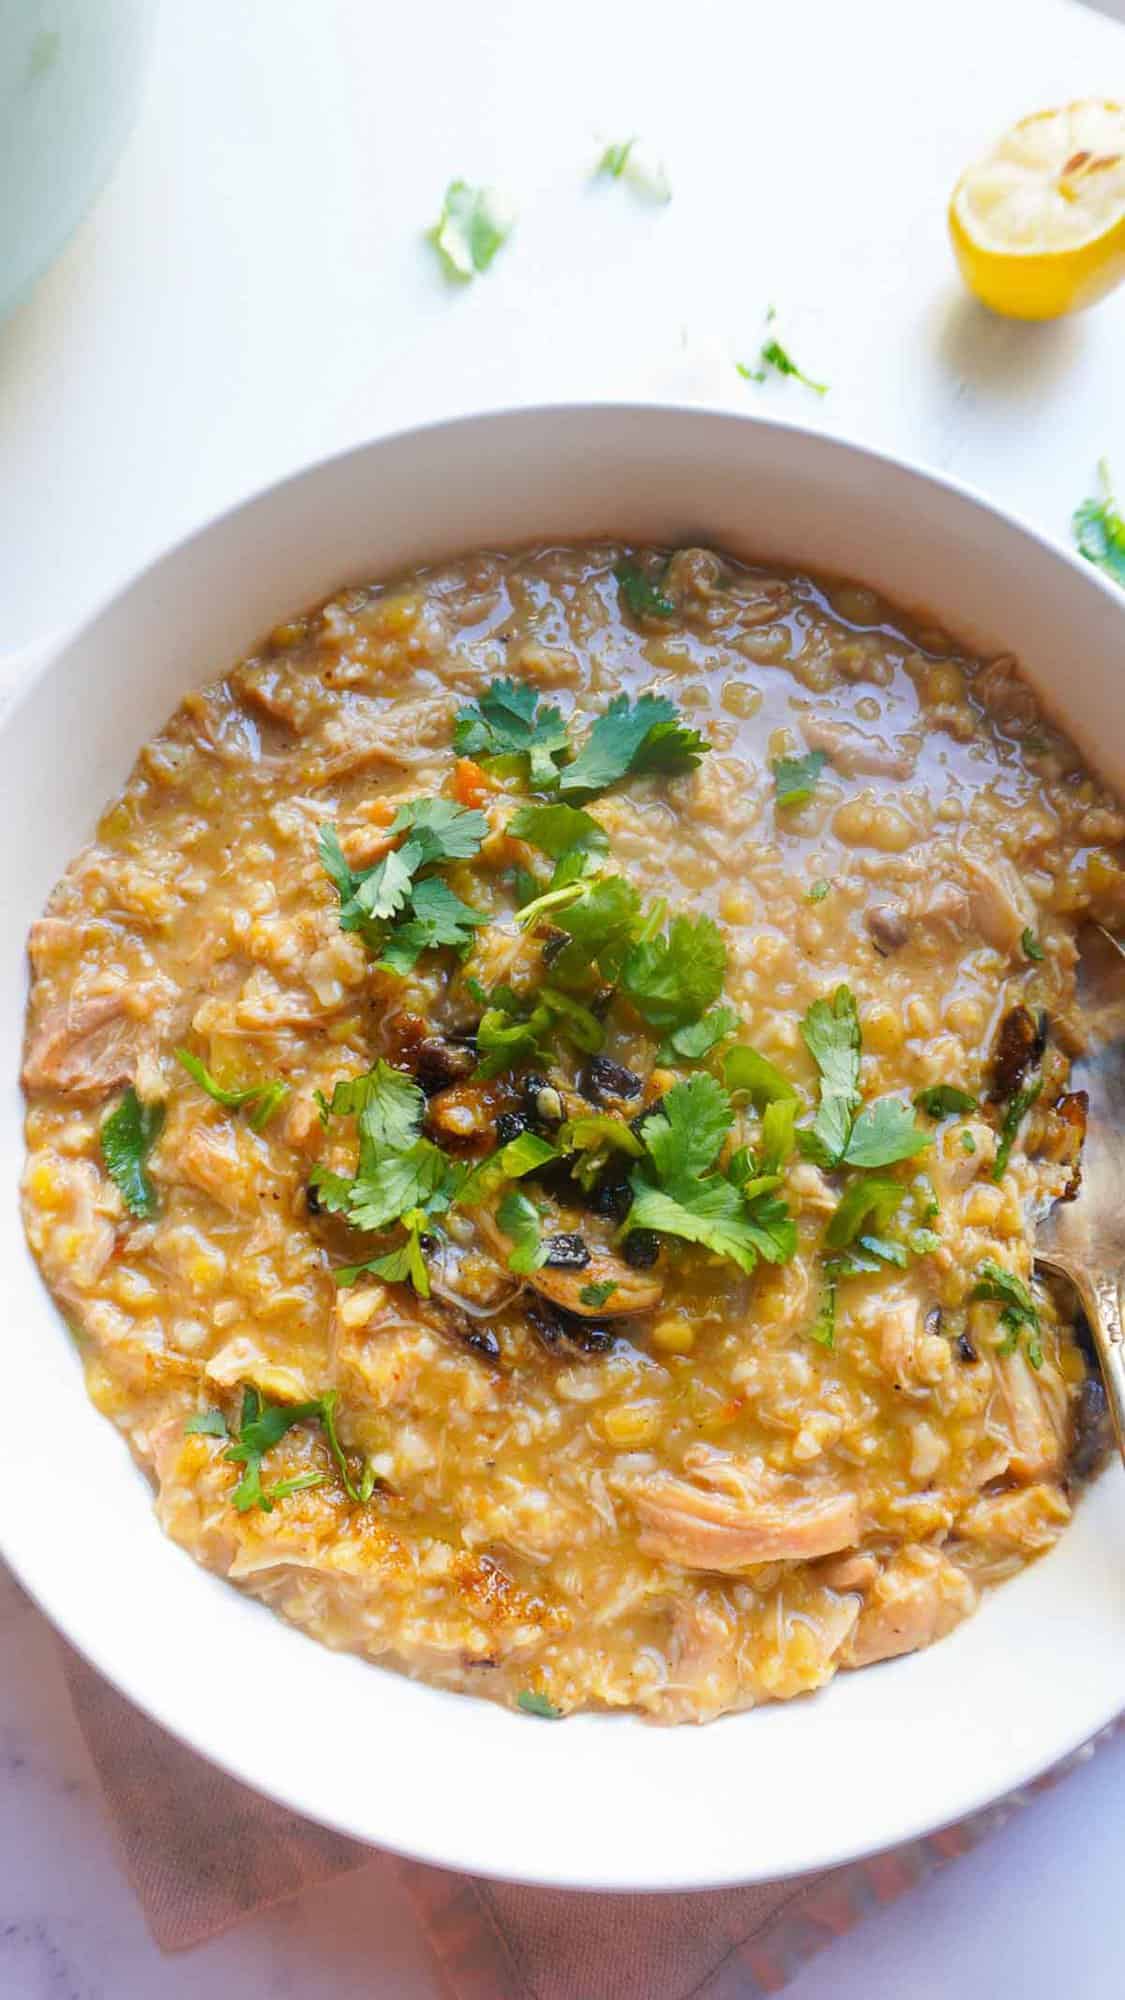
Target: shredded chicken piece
854, 754
1033, 1407
730, 1513
1001, 909
633, 1291
364, 732
1025, 1521
908, 1353
919, 1597
90, 1047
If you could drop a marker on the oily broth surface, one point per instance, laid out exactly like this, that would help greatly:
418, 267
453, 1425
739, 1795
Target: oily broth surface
718, 1510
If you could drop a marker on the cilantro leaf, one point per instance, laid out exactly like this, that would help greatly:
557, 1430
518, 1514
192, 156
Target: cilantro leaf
778, 1133
260, 1099
795, 778
698, 1038
830, 1031
644, 598
884, 1132
615, 159
1019, 1314
405, 1264
601, 923
510, 721
632, 737
442, 830
558, 830
262, 1425
1099, 529
684, 1135
1014, 1116
712, 1217
672, 979
597, 1295
127, 1137
818, 891
439, 918
519, 1218
773, 355
421, 1177
1031, 946
473, 225
944, 1100
391, 1104
745, 1069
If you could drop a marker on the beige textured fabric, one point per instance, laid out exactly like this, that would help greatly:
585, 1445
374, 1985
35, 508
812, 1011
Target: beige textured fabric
202, 1852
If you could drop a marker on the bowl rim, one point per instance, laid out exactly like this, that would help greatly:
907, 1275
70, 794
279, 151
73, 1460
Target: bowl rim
97, 1644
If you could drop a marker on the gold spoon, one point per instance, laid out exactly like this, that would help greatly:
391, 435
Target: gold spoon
1084, 1240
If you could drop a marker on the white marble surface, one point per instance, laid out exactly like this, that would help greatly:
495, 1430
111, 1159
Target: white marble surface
251, 292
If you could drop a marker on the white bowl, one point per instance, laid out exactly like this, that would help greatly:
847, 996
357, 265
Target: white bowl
593, 1802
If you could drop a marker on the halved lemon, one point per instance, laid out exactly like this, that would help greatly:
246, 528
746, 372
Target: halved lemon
1038, 225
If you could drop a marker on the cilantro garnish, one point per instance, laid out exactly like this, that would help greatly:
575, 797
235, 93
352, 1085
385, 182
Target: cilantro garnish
601, 920
777, 1135
473, 224
519, 1218
262, 1425
537, 1704
944, 1100
615, 159
673, 978
260, 1099
866, 1200
401, 1178
830, 1031
1014, 1116
818, 891
127, 1137
644, 598
598, 1295
1031, 946
396, 909
1003, 1288
772, 355
679, 1193
698, 1038
883, 1133
558, 830
1099, 529
629, 739
795, 778
509, 720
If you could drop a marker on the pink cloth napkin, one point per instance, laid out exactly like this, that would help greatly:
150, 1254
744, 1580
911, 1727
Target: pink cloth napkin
202, 1852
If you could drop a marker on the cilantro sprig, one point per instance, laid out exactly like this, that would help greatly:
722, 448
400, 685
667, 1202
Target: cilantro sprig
127, 1137
1099, 529
1017, 1111
401, 1177
1019, 1315
398, 907
631, 738
260, 1100
884, 1131
262, 1425
473, 225
795, 778
679, 1191
510, 722
776, 359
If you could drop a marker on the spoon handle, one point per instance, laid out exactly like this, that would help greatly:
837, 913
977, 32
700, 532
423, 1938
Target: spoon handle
1100, 1294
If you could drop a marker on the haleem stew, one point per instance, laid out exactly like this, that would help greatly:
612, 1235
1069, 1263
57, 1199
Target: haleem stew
537, 1095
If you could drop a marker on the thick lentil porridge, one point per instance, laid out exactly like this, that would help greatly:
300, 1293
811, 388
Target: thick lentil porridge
536, 1093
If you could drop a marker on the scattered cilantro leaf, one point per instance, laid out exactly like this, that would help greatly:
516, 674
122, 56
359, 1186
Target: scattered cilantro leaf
772, 355
644, 598
631, 738
405, 1264
473, 225
601, 923
260, 1099
699, 1037
127, 1137
207, 1423
883, 1133
830, 1031
444, 831
818, 891
509, 720
537, 1704
1019, 1314
683, 1138
558, 830
795, 778
684, 1134
519, 1218
944, 1100
599, 1294
615, 159
1031, 946
673, 978
391, 1102
397, 911
1014, 1116
1099, 529
439, 918
262, 1425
